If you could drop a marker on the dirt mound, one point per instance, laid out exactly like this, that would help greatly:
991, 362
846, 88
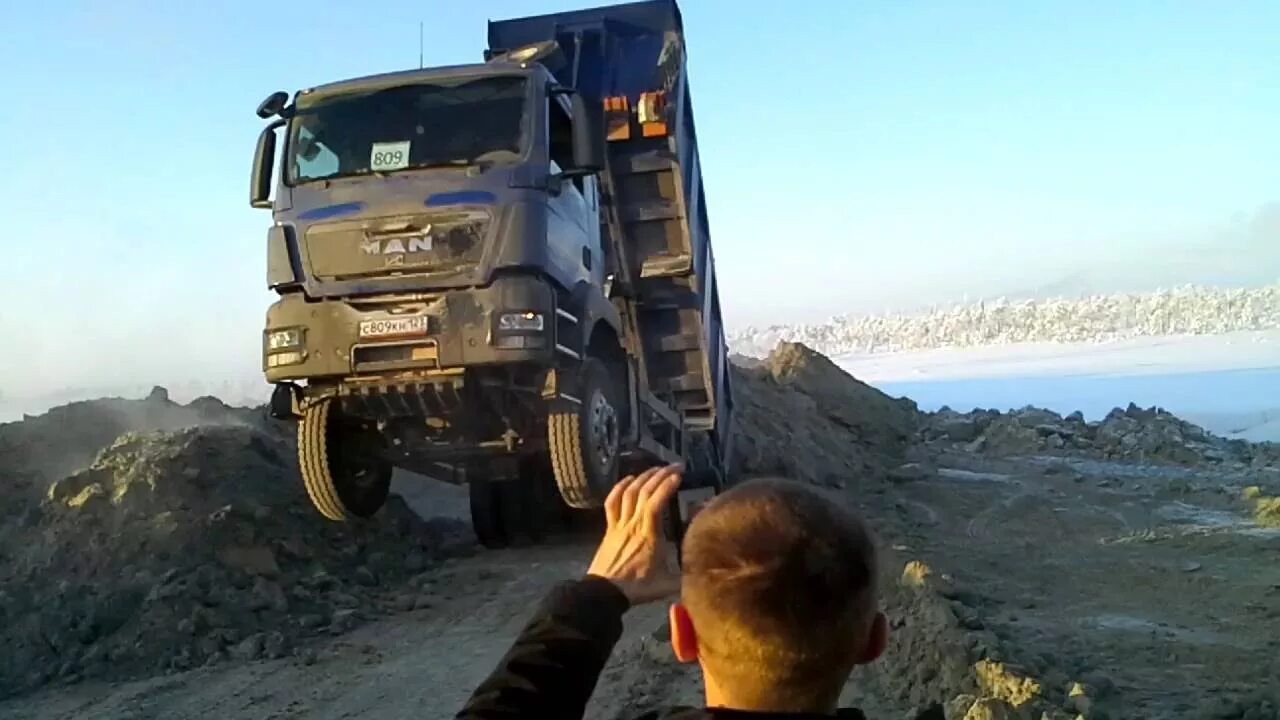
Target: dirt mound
1150, 435
800, 416
68, 437
173, 550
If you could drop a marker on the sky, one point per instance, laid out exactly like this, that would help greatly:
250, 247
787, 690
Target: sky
857, 156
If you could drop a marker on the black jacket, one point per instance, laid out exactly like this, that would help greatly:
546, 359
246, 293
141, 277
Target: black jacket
552, 668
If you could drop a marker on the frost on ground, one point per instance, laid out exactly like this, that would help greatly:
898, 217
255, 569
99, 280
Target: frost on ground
1181, 311
1037, 566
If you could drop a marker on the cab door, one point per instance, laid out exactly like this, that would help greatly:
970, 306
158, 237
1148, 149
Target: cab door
573, 233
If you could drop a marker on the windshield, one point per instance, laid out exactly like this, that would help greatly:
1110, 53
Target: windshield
407, 127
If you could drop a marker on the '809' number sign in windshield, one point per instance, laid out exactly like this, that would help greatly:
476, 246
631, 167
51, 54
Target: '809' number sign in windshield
389, 156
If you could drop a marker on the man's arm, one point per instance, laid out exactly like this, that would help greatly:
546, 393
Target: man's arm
552, 668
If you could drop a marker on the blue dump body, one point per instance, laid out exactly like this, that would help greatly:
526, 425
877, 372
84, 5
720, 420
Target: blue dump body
619, 49
623, 51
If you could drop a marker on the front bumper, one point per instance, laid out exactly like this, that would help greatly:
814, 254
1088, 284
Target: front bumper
461, 331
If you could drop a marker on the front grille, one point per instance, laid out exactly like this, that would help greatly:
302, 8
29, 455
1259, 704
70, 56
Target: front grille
428, 243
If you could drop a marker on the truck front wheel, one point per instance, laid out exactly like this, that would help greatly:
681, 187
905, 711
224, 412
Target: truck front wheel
583, 437
341, 463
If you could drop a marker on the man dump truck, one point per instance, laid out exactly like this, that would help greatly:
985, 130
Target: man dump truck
498, 273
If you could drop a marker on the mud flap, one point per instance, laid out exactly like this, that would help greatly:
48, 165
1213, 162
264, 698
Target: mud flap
285, 402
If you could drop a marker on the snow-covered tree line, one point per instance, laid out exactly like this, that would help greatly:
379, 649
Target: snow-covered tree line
1180, 311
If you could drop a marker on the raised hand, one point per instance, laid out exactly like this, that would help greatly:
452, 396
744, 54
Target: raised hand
634, 554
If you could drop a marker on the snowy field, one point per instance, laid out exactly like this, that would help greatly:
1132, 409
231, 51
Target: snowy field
1229, 383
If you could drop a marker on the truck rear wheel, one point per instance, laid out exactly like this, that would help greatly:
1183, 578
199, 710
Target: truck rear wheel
512, 512
704, 478
583, 438
486, 512
341, 465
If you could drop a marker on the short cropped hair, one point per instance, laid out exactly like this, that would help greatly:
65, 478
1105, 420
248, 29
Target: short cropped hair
780, 584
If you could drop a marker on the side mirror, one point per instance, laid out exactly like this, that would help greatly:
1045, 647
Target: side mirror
273, 105
264, 160
588, 135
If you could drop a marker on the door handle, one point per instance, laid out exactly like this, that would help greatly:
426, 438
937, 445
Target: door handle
586, 257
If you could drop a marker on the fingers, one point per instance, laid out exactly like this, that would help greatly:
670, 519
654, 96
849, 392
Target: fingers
657, 491
631, 493
667, 490
613, 503
646, 493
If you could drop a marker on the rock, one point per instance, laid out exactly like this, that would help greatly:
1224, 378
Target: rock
961, 429
1033, 417
344, 600
916, 574
415, 561
959, 706
1049, 430
254, 560
1006, 683
365, 576
251, 648
275, 645
1078, 699
1098, 684
310, 621
268, 595
911, 472
990, 709
343, 620
208, 645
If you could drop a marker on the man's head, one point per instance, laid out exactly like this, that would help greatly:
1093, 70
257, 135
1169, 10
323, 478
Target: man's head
778, 598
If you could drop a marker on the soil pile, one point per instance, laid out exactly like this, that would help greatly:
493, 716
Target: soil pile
800, 416
1143, 435
65, 439
178, 549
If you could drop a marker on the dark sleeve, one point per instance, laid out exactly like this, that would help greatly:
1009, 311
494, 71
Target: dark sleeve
552, 668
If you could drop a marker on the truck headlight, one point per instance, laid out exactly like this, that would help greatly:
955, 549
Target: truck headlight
521, 322
285, 339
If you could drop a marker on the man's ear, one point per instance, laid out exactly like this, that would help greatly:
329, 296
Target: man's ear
684, 641
874, 642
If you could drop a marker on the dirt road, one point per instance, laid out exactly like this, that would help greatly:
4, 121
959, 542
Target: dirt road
1149, 586
421, 664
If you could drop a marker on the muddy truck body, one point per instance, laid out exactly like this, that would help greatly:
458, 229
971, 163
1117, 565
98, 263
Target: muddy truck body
498, 274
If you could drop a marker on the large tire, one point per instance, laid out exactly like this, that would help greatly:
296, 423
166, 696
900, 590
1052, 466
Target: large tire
341, 469
704, 468
486, 512
511, 512
583, 439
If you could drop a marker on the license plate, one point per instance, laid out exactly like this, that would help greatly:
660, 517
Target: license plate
394, 327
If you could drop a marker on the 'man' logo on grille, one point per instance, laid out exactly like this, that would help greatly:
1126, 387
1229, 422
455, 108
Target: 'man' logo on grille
397, 245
